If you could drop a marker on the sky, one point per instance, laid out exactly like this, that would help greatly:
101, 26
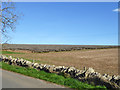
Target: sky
71, 23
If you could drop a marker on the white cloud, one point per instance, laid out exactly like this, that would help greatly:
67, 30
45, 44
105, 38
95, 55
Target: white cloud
117, 10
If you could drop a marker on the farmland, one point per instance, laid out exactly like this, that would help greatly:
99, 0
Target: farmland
51, 48
102, 60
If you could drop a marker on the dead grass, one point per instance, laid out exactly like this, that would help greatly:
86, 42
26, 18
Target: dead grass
102, 60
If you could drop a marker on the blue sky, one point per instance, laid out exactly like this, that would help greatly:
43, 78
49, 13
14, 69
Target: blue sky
80, 23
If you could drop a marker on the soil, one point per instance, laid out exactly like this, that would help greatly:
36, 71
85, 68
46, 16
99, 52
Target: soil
102, 60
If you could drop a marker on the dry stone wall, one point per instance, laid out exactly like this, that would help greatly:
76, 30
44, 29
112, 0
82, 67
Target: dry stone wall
86, 75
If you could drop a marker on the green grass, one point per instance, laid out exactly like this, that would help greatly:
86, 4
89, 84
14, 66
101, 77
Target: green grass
0, 65
8, 52
52, 77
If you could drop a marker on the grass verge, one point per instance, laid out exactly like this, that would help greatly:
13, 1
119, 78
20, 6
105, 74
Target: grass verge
52, 77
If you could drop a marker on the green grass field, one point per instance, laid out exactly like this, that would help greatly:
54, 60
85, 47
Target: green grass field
52, 77
8, 52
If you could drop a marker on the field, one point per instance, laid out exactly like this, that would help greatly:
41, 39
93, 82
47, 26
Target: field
102, 60
51, 48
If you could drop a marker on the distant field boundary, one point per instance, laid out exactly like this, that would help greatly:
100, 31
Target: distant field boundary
53, 48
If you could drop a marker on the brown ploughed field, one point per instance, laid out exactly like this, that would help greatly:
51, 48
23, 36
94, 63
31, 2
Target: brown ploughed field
102, 60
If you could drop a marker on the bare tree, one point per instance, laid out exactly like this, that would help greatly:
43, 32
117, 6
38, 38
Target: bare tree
9, 19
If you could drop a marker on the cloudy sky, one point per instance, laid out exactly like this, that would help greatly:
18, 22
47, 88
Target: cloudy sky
80, 23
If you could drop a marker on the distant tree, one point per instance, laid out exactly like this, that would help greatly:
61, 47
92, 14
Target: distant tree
9, 18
